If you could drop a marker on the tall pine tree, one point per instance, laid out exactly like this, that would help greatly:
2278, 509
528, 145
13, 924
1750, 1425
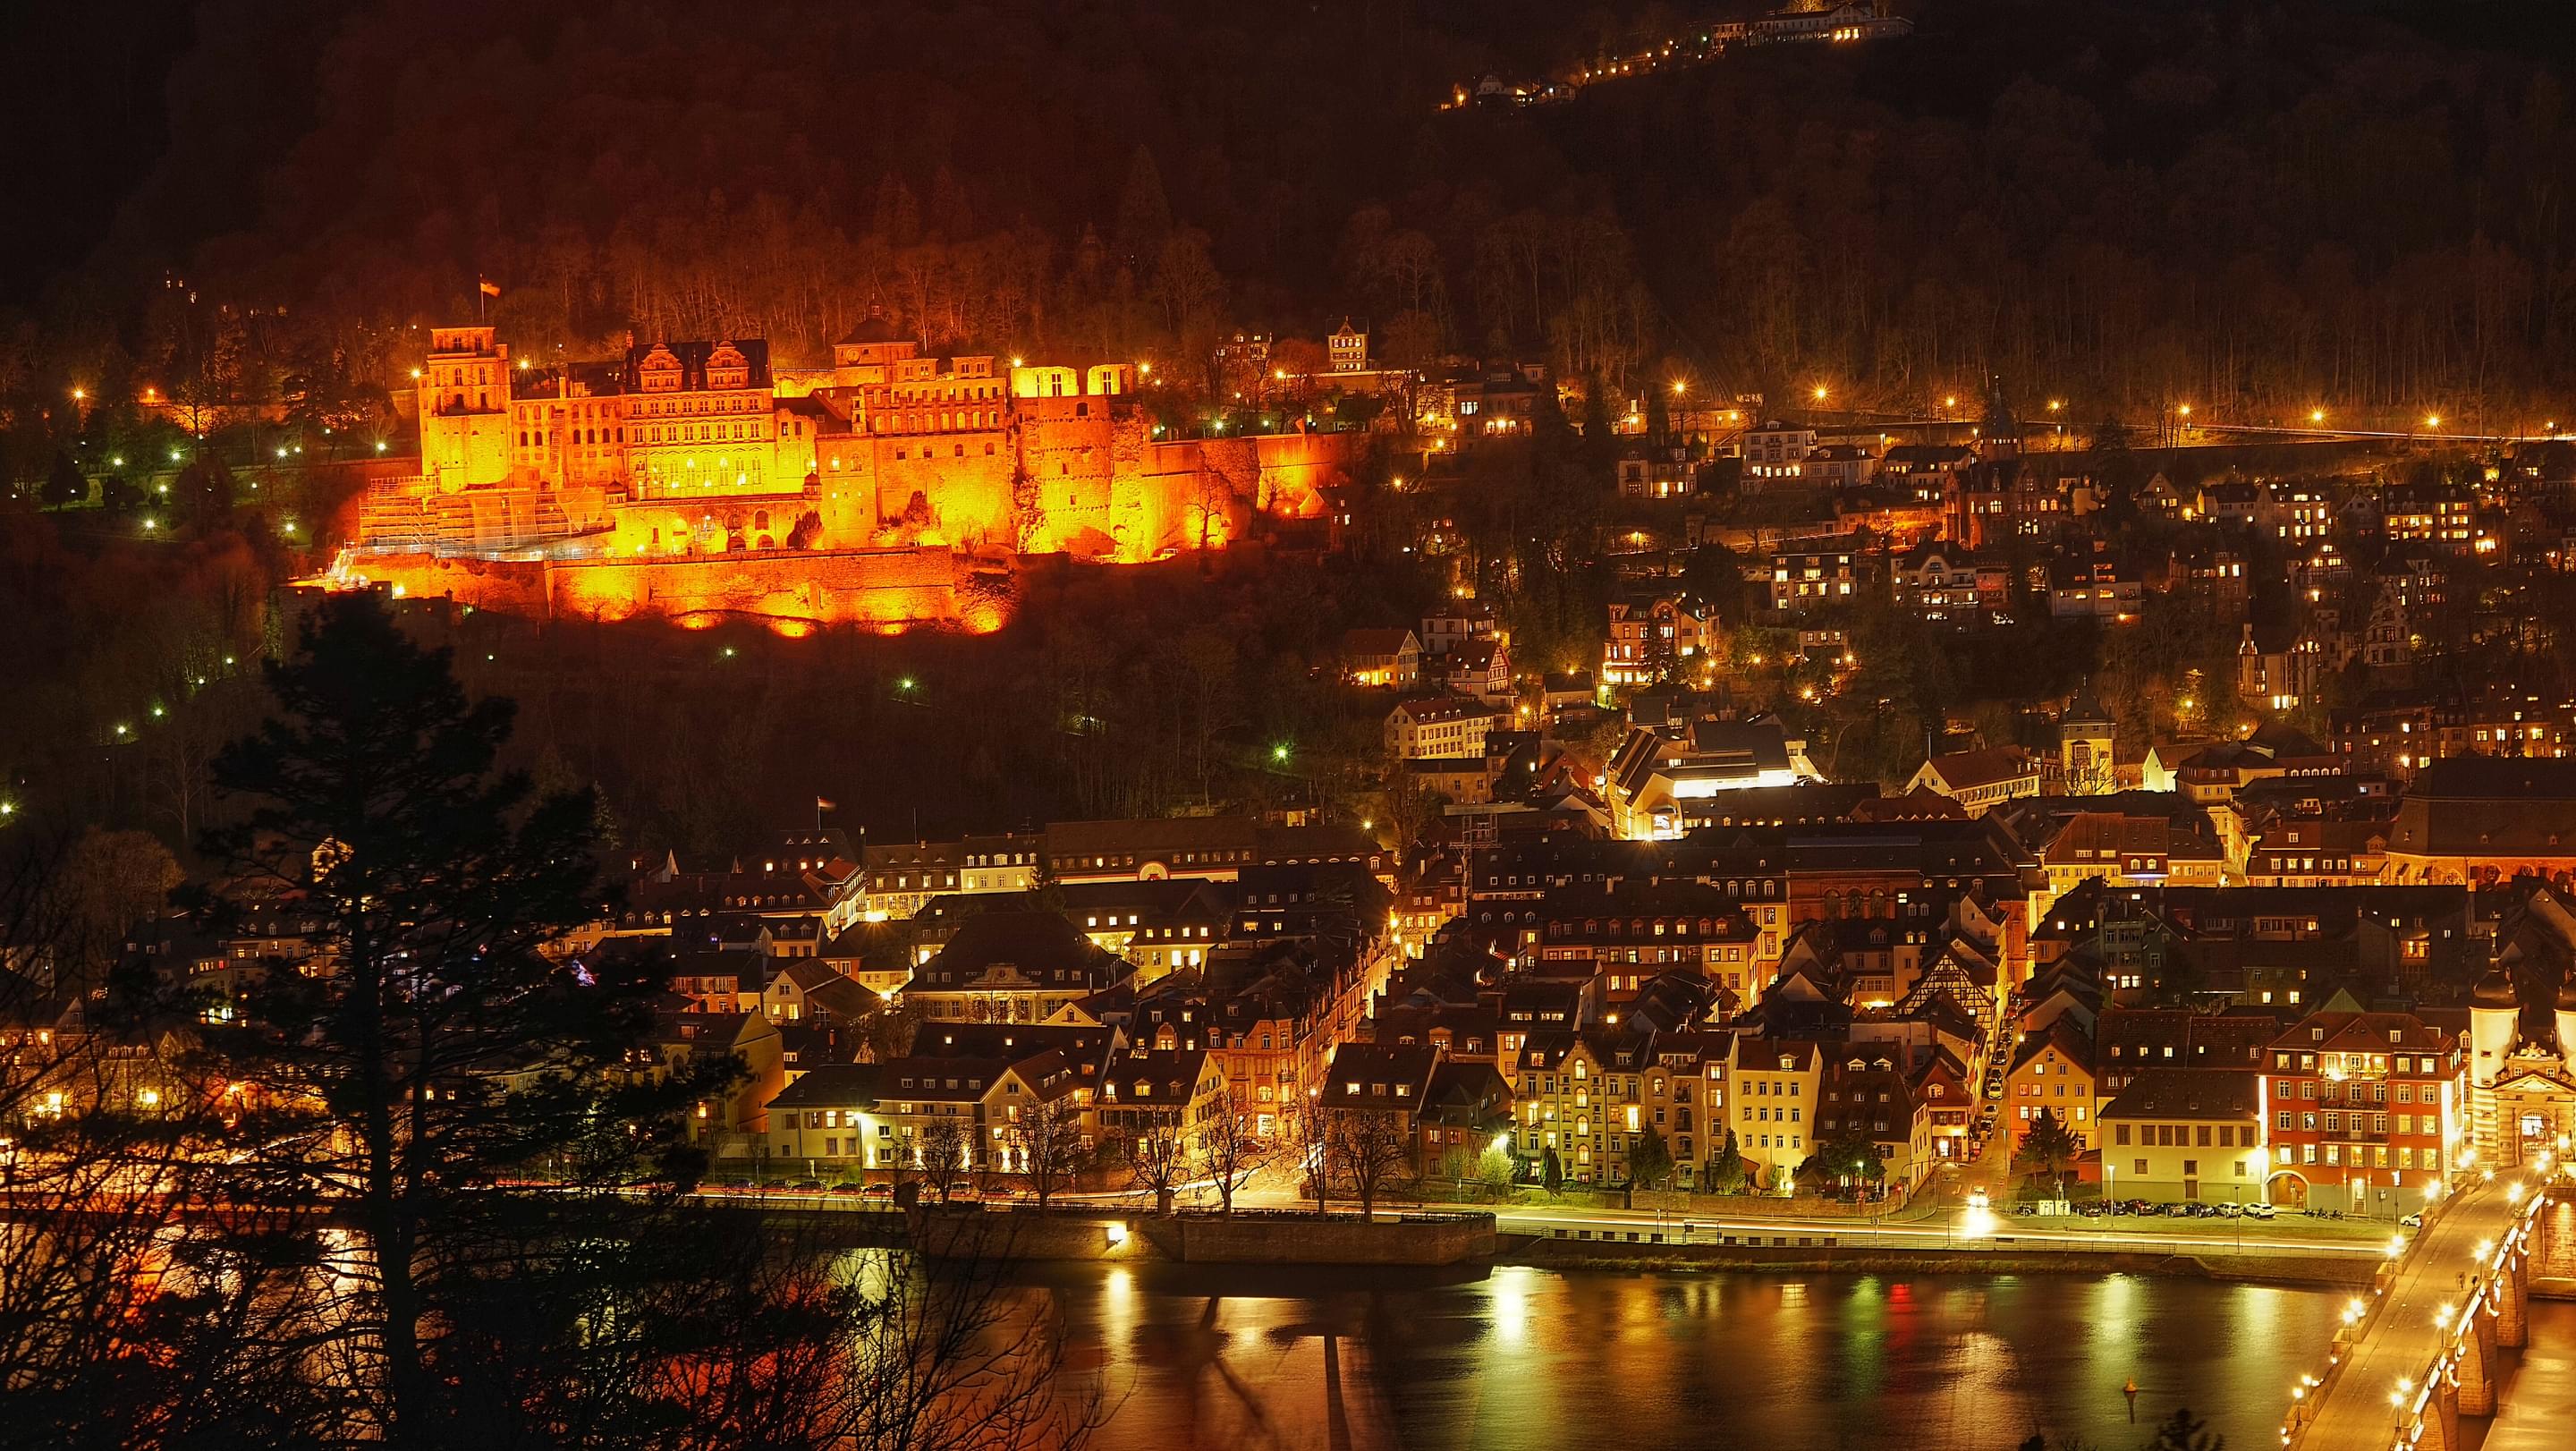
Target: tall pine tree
441, 1045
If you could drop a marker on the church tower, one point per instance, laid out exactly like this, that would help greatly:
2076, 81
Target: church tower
2084, 747
1998, 433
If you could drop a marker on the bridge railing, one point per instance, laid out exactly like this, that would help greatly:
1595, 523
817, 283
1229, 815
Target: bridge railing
2425, 1405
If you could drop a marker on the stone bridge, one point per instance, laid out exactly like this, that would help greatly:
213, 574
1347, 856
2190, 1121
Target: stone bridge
2421, 1350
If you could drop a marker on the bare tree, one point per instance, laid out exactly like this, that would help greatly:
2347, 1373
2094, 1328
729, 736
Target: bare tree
945, 1148
1310, 1130
1369, 1149
1233, 1152
1046, 1145
1158, 1155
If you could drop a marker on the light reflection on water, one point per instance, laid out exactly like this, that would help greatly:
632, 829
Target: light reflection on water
1344, 1361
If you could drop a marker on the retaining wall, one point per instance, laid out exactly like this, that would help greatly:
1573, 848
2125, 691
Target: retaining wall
1240, 1239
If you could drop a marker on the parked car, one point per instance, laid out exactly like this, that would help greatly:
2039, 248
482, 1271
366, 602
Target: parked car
845, 1189
2413, 1221
877, 1192
2230, 1210
808, 1185
2260, 1211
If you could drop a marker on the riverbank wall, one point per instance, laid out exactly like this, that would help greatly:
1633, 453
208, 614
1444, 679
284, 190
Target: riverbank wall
1243, 1238
1818, 1253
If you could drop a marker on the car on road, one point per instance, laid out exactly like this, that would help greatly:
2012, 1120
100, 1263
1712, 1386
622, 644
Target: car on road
2413, 1221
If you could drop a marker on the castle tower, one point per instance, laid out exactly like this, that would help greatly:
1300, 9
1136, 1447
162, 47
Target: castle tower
2495, 1022
2084, 738
2495, 1014
463, 390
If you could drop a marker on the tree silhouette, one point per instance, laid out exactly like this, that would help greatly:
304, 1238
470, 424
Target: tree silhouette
1650, 1160
2047, 1148
453, 1042
64, 483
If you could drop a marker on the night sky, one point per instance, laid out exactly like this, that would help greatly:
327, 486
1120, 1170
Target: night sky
82, 101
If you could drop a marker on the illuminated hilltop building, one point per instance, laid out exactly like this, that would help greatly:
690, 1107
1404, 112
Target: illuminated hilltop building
803, 483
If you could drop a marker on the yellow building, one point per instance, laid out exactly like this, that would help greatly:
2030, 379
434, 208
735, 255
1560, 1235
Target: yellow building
1581, 1094
2176, 1135
2053, 1071
1776, 1084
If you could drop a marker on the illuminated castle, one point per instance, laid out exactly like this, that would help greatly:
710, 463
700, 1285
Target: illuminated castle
698, 453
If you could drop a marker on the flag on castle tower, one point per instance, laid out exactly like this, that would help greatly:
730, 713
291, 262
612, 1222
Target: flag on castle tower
824, 804
490, 288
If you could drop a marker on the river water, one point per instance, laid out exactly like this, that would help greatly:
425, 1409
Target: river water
1344, 1361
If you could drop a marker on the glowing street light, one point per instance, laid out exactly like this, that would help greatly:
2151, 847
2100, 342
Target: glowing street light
1950, 402
2432, 420
1820, 392
80, 395
2316, 415
1279, 753
2054, 404
1680, 387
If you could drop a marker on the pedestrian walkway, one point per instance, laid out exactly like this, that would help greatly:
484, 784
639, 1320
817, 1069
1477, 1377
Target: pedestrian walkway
2408, 1332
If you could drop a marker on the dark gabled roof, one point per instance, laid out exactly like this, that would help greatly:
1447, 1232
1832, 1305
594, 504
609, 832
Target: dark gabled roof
2063, 1036
1374, 1075
1152, 1077
1965, 770
1376, 641
1007, 1042
1043, 947
2216, 1094
832, 1085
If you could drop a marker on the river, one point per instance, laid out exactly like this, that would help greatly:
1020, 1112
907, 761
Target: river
1525, 1358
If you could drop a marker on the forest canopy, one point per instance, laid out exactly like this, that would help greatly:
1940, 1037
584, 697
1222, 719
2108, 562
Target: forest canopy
2263, 207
